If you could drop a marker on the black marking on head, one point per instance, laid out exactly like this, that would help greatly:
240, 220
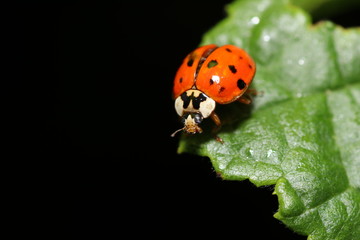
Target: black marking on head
241, 84
228, 49
250, 66
212, 63
195, 100
186, 100
211, 81
221, 89
232, 68
181, 79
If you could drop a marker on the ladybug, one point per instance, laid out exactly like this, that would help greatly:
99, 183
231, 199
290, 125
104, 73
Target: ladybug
210, 75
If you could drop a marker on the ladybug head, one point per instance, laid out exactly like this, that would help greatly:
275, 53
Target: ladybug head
193, 106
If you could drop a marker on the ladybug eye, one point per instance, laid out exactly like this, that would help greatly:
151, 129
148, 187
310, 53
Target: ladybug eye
197, 118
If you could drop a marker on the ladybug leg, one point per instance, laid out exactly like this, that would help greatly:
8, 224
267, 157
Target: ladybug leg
247, 97
217, 122
252, 92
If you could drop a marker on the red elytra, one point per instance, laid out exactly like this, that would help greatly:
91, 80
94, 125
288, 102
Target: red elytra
222, 73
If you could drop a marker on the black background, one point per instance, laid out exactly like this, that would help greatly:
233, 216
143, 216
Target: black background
97, 115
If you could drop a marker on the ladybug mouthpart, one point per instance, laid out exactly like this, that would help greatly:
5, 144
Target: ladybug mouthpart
191, 121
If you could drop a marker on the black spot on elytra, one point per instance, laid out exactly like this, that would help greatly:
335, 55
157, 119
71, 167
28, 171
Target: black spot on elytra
227, 49
232, 68
250, 66
221, 89
241, 84
203, 59
190, 62
241, 57
181, 79
211, 81
212, 63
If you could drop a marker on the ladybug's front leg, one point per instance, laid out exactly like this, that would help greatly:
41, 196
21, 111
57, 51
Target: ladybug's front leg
217, 122
247, 97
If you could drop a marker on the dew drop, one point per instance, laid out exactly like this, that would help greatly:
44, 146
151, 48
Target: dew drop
266, 38
254, 20
301, 61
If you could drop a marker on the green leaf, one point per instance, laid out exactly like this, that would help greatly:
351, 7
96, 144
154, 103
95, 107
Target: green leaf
326, 8
303, 132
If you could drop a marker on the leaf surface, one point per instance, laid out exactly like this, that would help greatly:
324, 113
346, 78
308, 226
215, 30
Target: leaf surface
302, 133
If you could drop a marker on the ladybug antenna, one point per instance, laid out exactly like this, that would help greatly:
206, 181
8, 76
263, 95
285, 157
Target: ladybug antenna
173, 135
